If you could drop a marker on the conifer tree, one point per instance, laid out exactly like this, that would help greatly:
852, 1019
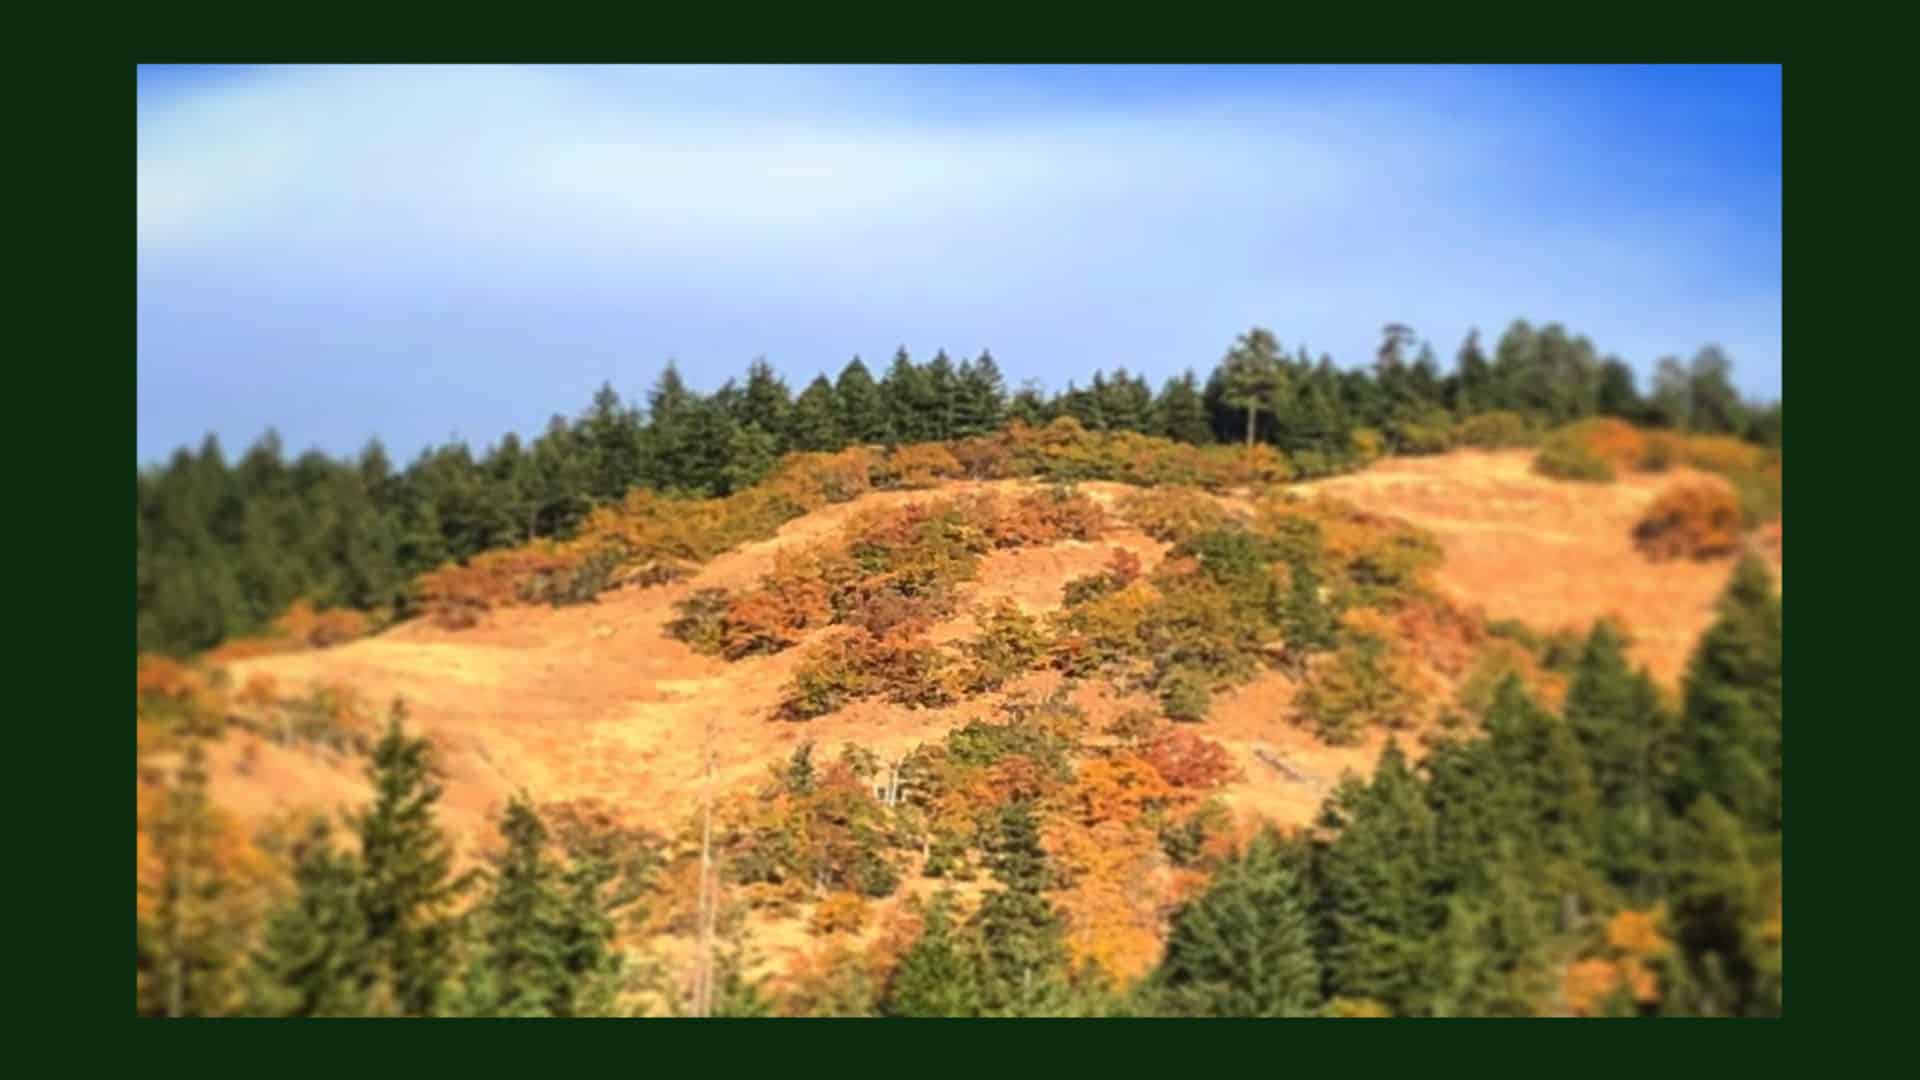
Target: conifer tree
314, 959
765, 403
1245, 947
910, 407
1381, 907
1733, 704
1627, 737
1022, 940
406, 887
938, 975
190, 946
815, 418
983, 397
863, 409
943, 397
1181, 413
1252, 377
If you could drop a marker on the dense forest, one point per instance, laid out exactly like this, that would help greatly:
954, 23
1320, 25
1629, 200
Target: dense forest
223, 548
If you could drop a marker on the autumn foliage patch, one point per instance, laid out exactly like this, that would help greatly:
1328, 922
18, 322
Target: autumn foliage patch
1691, 521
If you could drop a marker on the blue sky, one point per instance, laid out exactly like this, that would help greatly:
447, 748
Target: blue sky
449, 251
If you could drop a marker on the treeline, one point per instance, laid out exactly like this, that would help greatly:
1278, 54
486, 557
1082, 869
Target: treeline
223, 548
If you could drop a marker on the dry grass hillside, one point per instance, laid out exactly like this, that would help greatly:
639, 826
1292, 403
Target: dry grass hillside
597, 703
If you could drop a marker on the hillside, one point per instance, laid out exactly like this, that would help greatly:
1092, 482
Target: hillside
596, 704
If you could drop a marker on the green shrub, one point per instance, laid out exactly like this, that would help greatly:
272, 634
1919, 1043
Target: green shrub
703, 619
1566, 459
1185, 695
1496, 430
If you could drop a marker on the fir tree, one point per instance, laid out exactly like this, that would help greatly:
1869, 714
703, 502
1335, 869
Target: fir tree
1733, 704
937, 976
862, 408
191, 945
406, 886
1181, 413
314, 959
815, 421
1023, 949
765, 403
909, 401
1381, 908
983, 397
1245, 947
1252, 377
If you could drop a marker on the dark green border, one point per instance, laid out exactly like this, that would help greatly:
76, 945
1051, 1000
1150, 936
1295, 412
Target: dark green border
81, 959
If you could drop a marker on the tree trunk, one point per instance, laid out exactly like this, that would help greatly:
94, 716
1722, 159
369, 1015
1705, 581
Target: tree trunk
1252, 412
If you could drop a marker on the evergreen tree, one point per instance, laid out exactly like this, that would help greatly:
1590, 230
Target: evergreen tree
1733, 704
1023, 948
1029, 407
1716, 405
938, 975
1616, 714
943, 398
1726, 916
190, 946
863, 409
815, 419
406, 886
1497, 949
909, 401
983, 397
1251, 377
543, 940
765, 403
1180, 411
1381, 909
1672, 401
1245, 947
751, 454
314, 959
1471, 389
1616, 395
609, 437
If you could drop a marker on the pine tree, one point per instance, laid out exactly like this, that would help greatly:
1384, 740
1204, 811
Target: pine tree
863, 409
815, 419
983, 397
314, 959
910, 408
406, 886
1380, 905
1470, 388
937, 976
1627, 737
190, 946
1307, 625
1495, 954
1726, 916
1252, 379
518, 967
1023, 943
1733, 704
765, 403
751, 455
1181, 413
943, 398
1245, 947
